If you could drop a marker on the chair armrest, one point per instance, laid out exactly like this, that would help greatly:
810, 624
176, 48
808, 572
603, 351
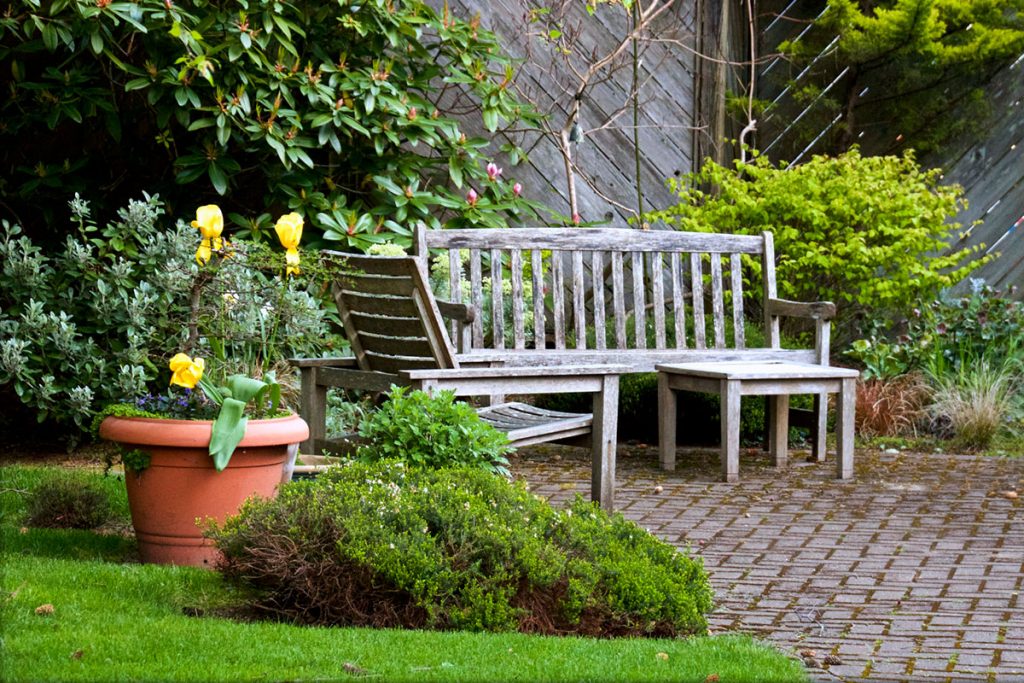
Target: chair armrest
816, 310
344, 362
461, 313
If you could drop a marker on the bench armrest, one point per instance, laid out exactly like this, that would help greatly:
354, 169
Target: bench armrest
460, 313
816, 310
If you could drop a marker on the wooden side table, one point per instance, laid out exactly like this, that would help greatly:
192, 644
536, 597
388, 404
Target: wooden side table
733, 379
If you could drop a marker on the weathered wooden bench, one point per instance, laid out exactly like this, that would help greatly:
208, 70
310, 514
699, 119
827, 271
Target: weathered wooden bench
395, 328
631, 297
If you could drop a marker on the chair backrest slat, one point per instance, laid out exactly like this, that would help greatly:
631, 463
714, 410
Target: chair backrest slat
717, 301
678, 297
518, 304
389, 313
497, 301
618, 300
476, 293
597, 287
579, 299
558, 299
658, 299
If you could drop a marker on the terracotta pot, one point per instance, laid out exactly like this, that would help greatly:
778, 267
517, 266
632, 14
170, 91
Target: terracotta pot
181, 488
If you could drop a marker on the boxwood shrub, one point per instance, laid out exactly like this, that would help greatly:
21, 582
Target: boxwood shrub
381, 544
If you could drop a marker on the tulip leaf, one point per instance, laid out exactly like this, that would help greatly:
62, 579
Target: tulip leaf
228, 430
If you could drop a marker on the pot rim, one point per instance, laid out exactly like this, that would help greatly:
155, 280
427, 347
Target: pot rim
153, 431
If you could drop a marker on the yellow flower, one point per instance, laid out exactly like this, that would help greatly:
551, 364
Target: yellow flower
186, 371
210, 222
289, 232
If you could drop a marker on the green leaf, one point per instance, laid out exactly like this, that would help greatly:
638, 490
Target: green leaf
227, 432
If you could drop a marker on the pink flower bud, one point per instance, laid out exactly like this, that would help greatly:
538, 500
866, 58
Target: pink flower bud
493, 171
472, 196
517, 189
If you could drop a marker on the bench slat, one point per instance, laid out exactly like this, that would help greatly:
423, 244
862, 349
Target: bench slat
604, 239
537, 268
697, 288
736, 286
717, 301
618, 300
518, 333
579, 301
497, 302
476, 295
639, 306
597, 286
558, 299
658, 299
678, 309
454, 286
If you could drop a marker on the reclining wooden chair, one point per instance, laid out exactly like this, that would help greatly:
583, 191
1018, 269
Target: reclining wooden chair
395, 328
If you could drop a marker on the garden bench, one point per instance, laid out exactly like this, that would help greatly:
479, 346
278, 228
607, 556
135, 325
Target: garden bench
394, 325
631, 297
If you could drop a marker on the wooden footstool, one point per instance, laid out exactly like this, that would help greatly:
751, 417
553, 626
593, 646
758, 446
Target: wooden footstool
777, 379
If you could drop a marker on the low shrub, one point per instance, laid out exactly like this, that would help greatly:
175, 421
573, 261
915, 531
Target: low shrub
973, 404
432, 431
67, 502
891, 407
385, 545
869, 233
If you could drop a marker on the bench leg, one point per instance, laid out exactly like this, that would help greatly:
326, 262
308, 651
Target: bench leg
845, 406
666, 423
604, 435
779, 429
730, 417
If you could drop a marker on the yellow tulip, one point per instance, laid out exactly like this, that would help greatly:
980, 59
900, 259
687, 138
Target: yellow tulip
210, 222
289, 232
186, 372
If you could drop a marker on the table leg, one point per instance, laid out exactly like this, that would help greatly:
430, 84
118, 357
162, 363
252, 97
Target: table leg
666, 423
730, 416
779, 429
821, 431
845, 406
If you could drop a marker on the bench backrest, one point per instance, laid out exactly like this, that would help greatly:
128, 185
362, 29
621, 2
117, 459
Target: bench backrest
592, 281
389, 313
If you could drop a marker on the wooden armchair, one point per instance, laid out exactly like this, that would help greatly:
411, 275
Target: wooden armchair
395, 328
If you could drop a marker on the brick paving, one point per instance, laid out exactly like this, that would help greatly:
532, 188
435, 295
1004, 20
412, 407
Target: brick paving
913, 570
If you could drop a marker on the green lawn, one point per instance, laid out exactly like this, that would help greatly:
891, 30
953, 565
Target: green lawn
118, 620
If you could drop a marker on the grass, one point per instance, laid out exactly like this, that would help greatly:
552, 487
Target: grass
117, 620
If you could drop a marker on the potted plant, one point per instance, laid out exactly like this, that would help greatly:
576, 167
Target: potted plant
194, 455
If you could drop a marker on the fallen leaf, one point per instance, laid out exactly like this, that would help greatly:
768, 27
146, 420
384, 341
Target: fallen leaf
808, 653
1012, 495
712, 678
663, 656
77, 654
831, 660
23, 530
45, 610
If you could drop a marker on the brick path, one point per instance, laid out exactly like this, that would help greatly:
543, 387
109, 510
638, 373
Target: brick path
912, 571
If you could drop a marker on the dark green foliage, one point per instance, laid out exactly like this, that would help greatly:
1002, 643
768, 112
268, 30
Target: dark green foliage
342, 111
383, 544
905, 74
427, 430
67, 502
945, 335
868, 233
97, 319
